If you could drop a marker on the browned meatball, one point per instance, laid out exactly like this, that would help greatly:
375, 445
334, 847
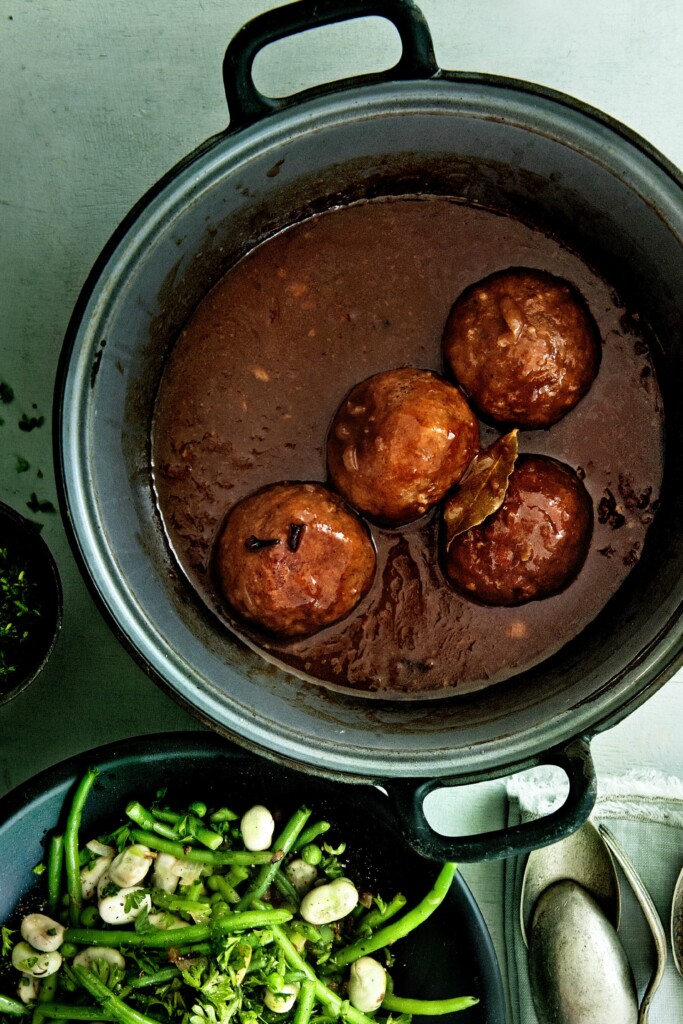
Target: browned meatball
524, 347
292, 558
536, 542
398, 442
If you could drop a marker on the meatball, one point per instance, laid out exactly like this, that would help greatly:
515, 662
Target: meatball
536, 542
524, 347
292, 559
398, 442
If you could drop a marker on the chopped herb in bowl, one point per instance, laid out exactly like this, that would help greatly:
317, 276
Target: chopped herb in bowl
30, 602
20, 602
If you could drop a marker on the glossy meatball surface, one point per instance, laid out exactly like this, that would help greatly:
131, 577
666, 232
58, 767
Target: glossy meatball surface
524, 347
398, 442
292, 559
534, 545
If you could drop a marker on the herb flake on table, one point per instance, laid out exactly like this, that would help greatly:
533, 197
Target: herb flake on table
29, 423
38, 505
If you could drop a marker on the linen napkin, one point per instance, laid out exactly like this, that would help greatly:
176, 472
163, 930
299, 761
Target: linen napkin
644, 811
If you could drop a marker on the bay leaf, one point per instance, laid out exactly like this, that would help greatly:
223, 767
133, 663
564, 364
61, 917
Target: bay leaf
482, 489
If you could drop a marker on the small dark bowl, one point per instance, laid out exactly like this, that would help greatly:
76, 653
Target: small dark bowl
449, 954
21, 536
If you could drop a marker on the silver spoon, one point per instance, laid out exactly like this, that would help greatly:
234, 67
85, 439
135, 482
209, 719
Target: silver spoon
677, 924
651, 916
582, 857
578, 969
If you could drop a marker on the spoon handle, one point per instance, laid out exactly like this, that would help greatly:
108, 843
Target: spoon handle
651, 916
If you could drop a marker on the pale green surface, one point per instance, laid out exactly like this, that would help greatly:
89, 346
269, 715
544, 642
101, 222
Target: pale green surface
99, 100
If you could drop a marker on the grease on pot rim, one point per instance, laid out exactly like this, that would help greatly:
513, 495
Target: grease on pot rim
328, 303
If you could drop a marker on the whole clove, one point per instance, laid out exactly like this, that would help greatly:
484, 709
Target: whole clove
257, 543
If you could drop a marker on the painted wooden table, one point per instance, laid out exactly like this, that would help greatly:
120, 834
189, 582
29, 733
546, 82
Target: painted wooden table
98, 101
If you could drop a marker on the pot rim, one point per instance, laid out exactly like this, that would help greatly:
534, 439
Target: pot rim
663, 655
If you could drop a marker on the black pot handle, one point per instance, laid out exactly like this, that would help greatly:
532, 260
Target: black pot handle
247, 105
575, 759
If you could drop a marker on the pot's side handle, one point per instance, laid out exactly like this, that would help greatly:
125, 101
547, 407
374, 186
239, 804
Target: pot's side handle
247, 105
575, 760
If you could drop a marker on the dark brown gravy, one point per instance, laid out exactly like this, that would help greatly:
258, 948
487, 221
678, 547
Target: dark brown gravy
254, 380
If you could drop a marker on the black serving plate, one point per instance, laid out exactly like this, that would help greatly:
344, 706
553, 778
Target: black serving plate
451, 954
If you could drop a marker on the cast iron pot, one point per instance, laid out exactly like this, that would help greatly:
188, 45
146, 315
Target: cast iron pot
502, 143
450, 954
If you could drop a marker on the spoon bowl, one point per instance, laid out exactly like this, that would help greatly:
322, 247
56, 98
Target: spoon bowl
578, 969
583, 858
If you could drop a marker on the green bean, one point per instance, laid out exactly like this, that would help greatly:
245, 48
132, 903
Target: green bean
192, 826
281, 846
119, 1010
311, 833
145, 819
305, 1002
311, 854
219, 884
12, 1006
377, 917
398, 929
60, 1011
286, 888
158, 978
216, 857
237, 874
71, 852
184, 904
160, 938
428, 1007
48, 988
55, 864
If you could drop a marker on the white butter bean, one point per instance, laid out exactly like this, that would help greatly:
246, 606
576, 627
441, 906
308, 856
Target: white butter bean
301, 875
91, 876
131, 865
282, 1001
85, 957
104, 881
164, 874
188, 871
38, 965
367, 984
328, 903
257, 827
113, 908
28, 988
42, 932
